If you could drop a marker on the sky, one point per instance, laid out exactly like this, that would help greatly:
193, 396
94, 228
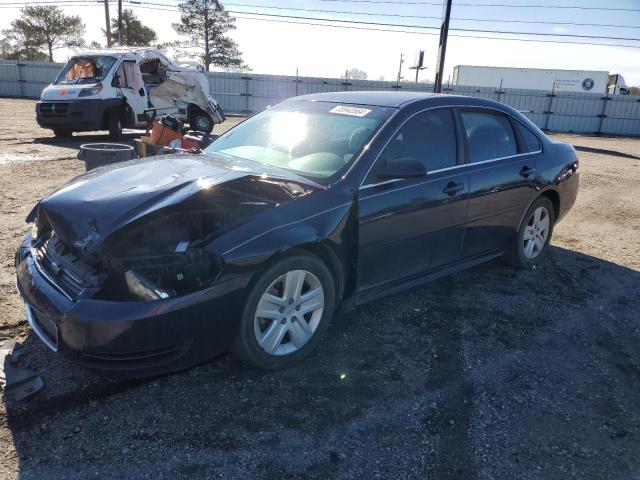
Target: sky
281, 48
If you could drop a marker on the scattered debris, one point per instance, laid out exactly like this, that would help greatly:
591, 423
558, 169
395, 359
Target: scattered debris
17, 383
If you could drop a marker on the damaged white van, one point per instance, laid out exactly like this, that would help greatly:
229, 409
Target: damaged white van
112, 89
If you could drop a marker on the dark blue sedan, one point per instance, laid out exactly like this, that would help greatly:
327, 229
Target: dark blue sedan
157, 264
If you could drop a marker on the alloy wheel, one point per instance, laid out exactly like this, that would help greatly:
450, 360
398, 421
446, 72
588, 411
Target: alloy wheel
535, 233
289, 312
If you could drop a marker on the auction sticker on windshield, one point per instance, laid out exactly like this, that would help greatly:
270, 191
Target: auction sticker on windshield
355, 111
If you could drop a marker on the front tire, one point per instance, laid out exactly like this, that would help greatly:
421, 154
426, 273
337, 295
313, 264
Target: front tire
201, 121
531, 243
287, 313
114, 123
62, 133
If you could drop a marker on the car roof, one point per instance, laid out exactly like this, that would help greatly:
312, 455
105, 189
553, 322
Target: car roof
376, 98
389, 99
403, 99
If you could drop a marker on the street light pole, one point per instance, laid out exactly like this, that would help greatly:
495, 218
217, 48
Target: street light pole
442, 48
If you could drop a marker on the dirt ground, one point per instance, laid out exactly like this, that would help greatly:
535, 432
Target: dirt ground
490, 373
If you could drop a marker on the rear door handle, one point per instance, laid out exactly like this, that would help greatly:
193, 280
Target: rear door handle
526, 171
452, 188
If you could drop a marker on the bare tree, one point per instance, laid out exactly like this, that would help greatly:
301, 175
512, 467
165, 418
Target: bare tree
357, 74
44, 27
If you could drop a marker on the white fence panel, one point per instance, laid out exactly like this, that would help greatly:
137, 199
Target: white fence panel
248, 92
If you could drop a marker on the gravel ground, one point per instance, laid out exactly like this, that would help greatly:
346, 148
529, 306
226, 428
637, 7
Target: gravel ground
490, 373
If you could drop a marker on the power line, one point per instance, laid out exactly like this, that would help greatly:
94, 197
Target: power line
400, 25
432, 17
23, 4
436, 34
396, 15
392, 2
64, 3
502, 5
299, 21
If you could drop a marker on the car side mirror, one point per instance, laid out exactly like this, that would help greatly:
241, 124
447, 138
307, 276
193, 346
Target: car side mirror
141, 92
403, 167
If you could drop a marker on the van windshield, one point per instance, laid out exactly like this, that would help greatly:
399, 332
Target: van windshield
89, 69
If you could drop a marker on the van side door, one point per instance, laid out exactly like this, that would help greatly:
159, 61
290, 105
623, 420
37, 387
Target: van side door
129, 83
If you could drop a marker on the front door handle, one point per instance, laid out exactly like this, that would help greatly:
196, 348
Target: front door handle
526, 171
452, 188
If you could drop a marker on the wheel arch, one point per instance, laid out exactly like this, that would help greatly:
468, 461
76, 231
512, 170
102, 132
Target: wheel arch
330, 257
122, 107
327, 253
555, 201
192, 109
330, 236
553, 197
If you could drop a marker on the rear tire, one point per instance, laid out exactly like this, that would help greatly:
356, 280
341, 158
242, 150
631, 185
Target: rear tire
62, 133
531, 243
114, 123
297, 297
201, 121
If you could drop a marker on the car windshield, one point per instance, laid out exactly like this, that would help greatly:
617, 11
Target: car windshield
314, 139
90, 69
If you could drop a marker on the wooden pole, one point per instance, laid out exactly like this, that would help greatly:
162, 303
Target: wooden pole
442, 49
107, 22
120, 22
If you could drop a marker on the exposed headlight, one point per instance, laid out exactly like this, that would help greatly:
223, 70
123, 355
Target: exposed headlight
89, 91
143, 288
163, 254
34, 230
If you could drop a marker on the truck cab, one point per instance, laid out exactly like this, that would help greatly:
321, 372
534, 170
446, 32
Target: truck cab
112, 89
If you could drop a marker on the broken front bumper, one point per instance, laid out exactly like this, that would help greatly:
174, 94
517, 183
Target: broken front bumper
79, 115
127, 339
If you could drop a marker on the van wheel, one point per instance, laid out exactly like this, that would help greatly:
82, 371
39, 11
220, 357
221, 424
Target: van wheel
62, 133
201, 121
114, 123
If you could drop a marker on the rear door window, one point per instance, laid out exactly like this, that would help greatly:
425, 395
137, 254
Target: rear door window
530, 142
489, 135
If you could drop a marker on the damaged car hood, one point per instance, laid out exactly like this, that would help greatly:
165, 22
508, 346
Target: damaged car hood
85, 211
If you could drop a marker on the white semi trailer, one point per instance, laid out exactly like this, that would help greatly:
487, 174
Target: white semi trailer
593, 81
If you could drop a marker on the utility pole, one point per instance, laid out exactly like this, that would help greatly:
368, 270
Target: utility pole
108, 22
442, 48
399, 72
120, 22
